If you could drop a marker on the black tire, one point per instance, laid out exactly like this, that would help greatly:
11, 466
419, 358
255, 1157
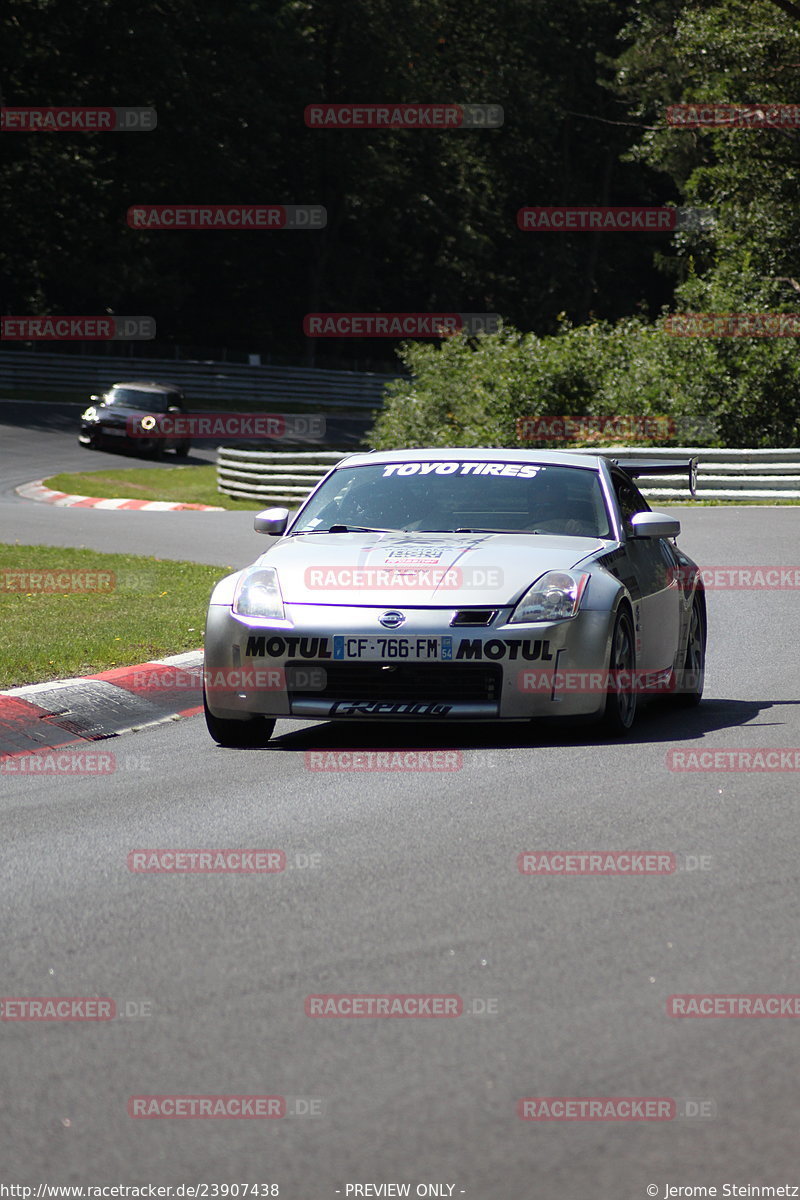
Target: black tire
182, 451
689, 682
92, 444
153, 448
620, 710
239, 735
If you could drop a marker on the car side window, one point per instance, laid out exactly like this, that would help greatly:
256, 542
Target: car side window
630, 501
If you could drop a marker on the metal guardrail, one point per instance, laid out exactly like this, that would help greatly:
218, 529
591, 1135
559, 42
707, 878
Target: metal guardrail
203, 381
271, 475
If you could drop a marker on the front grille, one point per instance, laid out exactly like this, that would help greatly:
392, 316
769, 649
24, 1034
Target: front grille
417, 682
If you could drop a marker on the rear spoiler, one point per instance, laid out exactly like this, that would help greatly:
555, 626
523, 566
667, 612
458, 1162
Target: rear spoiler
636, 467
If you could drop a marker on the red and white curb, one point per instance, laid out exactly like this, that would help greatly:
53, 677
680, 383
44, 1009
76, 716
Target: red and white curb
42, 717
37, 491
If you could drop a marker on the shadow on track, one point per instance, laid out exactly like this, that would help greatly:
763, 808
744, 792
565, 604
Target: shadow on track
656, 723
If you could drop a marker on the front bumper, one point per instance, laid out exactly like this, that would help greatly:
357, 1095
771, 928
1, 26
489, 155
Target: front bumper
308, 666
94, 431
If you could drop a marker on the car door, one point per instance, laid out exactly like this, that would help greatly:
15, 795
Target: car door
651, 570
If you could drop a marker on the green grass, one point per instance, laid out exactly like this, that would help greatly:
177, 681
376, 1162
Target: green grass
656, 502
154, 608
186, 485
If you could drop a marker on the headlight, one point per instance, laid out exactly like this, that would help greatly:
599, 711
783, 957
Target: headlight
90, 414
554, 597
258, 594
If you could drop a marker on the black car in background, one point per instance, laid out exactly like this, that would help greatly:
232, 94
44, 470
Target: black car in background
109, 419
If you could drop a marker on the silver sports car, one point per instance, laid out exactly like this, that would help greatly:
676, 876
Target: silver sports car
459, 584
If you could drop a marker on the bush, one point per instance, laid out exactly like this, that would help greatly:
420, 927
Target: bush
716, 391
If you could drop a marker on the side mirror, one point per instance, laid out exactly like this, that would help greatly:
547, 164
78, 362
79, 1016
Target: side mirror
272, 521
654, 525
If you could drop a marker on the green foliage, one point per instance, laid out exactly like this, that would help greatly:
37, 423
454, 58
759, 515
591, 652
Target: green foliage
425, 221
417, 221
723, 391
734, 391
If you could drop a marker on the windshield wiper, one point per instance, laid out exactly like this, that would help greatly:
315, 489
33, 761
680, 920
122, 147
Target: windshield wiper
348, 529
473, 530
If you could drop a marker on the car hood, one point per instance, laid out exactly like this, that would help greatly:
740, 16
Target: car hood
123, 412
446, 570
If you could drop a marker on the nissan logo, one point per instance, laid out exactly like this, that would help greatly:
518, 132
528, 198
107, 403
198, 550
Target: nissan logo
392, 619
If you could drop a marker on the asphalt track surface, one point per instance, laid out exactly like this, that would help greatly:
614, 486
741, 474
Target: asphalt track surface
415, 890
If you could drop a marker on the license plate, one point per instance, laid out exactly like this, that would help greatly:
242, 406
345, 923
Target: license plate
394, 649
113, 432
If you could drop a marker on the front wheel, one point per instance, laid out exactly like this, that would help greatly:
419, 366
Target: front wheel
238, 735
620, 709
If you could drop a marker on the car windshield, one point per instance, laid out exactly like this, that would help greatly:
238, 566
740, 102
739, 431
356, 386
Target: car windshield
512, 497
155, 402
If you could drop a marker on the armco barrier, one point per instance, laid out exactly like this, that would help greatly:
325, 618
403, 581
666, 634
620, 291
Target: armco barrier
722, 474
299, 387
272, 474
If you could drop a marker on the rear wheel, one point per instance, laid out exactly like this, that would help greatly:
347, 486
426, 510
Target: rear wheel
689, 690
620, 710
255, 731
